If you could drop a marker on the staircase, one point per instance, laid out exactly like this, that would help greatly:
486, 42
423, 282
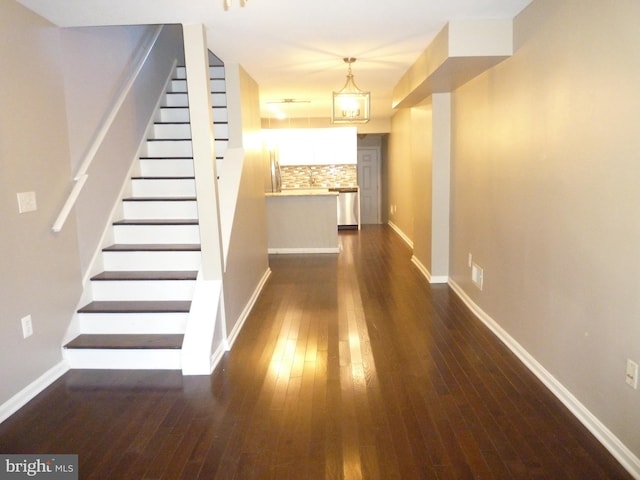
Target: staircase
141, 301
219, 105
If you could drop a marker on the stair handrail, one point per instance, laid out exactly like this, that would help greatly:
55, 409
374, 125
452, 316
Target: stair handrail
81, 175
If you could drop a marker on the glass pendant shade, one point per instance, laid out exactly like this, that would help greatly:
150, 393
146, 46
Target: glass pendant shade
350, 105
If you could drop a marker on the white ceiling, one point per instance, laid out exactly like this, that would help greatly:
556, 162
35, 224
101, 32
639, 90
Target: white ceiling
294, 48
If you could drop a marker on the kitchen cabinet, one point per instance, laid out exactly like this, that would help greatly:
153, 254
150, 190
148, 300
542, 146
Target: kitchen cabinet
314, 146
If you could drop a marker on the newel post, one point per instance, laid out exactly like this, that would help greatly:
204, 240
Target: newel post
197, 66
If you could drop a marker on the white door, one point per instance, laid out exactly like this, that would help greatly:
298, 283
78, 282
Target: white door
369, 183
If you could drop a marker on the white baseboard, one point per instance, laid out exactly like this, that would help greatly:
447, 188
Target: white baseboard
217, 355
612, 443
231, 338
425, 271
303, 250
406, 239
28, 393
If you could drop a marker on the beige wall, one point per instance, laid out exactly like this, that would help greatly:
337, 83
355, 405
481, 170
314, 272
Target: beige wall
247, 260
545, 196
39, 271
421, 174
399, 174
95, 79
418, 182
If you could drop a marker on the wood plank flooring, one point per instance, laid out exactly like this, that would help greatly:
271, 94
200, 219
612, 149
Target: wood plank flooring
349, 367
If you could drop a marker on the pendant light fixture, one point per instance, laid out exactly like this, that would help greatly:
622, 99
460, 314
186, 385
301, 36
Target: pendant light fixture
227, 3
350, 105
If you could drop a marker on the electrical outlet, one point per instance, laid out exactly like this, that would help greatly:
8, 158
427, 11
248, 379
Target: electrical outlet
27, 326
632, 374
477, 275
27, 202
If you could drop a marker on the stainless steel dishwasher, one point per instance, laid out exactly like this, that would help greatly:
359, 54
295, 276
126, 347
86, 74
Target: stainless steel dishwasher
348, 207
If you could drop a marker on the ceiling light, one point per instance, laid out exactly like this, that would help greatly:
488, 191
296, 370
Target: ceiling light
350, 105
227, 3
287, 101
278, 107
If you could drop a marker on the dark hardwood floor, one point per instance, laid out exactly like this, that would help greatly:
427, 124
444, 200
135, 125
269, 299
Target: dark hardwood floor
349, 367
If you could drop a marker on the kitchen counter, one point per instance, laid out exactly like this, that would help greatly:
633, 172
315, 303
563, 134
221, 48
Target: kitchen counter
298, 192
302, 221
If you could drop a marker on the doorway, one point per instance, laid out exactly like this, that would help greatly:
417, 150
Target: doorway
369, 183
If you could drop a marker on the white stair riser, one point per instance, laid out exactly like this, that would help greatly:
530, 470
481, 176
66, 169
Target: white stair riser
156, 234
169, 148
218, 85
163, 188
142, 290
171, 130
221, 147
174, 115
158, 210
123, 359
219, 99
216, 71
221, 130
176, 100
220, 115
154, 261
166, 167
178, 86
133, 323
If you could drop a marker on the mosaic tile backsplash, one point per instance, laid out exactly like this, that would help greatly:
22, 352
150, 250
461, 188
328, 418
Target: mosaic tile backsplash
319, 176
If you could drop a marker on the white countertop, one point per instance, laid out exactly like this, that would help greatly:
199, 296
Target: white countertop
299, 192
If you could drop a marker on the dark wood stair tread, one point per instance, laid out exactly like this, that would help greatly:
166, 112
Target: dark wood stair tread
146, 275
159, 199
156, 222
169, 306
164, 157
153, 247
127, 341
168, 139
162, 178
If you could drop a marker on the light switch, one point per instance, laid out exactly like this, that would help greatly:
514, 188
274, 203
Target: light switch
27, 202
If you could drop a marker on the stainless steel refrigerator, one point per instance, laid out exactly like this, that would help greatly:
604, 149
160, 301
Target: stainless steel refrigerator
274, 167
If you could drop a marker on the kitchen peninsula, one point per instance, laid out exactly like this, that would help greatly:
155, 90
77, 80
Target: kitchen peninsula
302, 221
